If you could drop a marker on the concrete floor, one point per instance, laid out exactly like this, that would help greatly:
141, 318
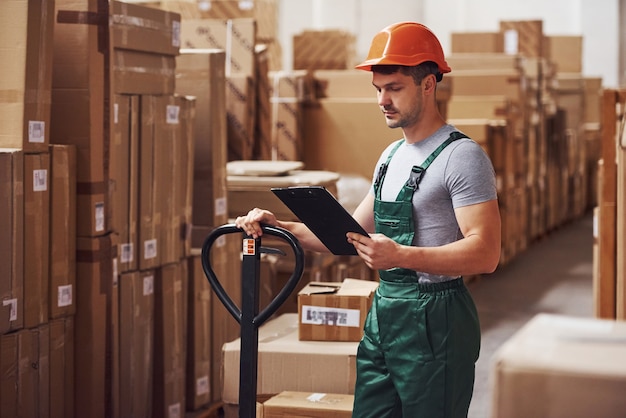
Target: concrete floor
554, 275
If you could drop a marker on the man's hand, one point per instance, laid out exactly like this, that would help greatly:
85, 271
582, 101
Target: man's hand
377, 251
251, 223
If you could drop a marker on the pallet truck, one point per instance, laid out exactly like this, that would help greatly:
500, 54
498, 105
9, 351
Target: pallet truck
248, 316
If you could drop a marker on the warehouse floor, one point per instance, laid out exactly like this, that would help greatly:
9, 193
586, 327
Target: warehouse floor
554, 275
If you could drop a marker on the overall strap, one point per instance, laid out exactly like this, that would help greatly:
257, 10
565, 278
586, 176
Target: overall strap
417, 171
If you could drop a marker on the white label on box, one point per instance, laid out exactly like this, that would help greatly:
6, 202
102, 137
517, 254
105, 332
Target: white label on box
220, 242
127, 253
321, 315
176, 33
150, 249
173, 411
220, 206
64, 297
13, 310
99, 216
511, 42
36, 131
116, 110
148, 285
172, 113
202, 385
40, 180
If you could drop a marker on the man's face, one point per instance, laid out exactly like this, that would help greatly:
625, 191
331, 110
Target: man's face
398, 98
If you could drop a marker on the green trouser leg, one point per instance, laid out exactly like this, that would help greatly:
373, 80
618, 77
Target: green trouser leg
417, 357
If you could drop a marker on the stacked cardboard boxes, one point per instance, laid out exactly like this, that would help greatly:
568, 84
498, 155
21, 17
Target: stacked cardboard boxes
546, 183
38, 301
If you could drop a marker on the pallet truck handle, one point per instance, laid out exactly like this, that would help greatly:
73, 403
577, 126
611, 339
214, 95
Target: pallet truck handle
260, 317
249, 317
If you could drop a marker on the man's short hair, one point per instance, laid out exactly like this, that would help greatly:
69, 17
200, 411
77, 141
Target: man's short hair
418, 72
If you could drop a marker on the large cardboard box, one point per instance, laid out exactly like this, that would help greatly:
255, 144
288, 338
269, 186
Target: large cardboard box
79, 109
149, 192
25, 367
567, 366
312, 405
36, 239
12, 246
198, 370
123, 178
145, 42
169, 341
345, 135
94, 281
286, 363
334, 311
62, 268
235, 36
248, 191
477, 42
523, 37
62, 367
241, 114
26, 29
565, 51
202, 73
136, 336
329, 49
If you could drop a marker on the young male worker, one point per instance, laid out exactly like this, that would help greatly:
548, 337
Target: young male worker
433, 213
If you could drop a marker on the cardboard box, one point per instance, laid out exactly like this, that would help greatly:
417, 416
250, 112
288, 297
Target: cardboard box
235, 36
140, 28
286, 363
26, 29
329, 49
144, 43
241, 113
12, 246
62, 367
136, 335
202, 73
477, 42
198, 371
123, 179
566, 52
345, 135
248, 191
169, 341
347, 83
36, 239
149, 204
76, 124
94, 283
334, 311
25, 366
62, 257
312, 405
138, 72
523, 37
567, 366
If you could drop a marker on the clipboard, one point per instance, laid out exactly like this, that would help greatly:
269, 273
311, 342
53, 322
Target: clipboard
318, 209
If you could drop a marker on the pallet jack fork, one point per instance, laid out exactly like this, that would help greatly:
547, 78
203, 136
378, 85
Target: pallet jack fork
248, 316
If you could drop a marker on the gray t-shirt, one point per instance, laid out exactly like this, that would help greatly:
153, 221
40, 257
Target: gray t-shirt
461, 175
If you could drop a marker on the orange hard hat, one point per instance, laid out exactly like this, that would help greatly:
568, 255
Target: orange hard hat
405, 43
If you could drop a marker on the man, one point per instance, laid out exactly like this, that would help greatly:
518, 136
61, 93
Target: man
434, 215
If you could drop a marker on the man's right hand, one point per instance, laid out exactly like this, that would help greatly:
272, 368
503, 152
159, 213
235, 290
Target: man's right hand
251, 223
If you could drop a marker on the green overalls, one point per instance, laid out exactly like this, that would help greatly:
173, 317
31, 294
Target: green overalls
421, 341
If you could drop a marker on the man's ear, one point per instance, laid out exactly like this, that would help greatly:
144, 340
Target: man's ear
429, 83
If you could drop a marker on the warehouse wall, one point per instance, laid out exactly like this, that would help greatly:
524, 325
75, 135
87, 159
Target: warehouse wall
596, 21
